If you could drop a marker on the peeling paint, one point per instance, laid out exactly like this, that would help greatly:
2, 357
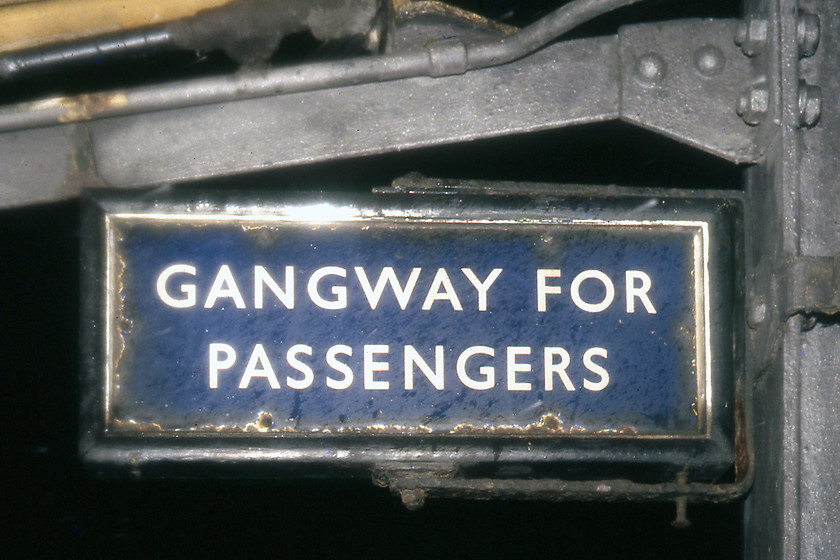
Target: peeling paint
547, 424
81, 107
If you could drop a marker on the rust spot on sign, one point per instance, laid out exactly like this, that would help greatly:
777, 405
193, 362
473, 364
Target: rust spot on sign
547, 424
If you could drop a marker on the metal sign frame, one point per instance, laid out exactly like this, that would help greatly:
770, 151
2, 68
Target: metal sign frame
697, 461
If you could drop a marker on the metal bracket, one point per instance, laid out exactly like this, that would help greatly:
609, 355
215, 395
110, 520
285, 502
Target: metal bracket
683, 79
413, 483
812, 286
405, 479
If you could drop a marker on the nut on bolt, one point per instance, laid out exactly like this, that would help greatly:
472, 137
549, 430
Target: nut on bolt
751, 35
413, 499
758, 314
810, 104
807, 34
753, 104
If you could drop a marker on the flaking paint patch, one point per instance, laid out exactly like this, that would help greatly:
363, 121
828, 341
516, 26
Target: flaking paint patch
382, 429
128, 426
547, 424
88, 106
134, 426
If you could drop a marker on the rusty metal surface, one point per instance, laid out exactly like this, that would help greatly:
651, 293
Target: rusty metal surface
538, 444
562, 490
158, 388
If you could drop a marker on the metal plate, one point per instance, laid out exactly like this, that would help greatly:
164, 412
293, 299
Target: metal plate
443, 317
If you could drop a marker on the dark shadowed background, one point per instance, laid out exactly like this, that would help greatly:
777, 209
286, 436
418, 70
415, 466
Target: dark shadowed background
51, 505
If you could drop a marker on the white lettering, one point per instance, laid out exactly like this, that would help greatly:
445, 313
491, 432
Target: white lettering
262, 278
596, 369
339, 367
187, 289
513, 367
487, 371
640, 292
482, 287
259, 366
385, 277
224, 286
595, 275
412, 357
543, 289
217, 348
340, 292
556, 361
560, 369
442, 281
370, 366
308, 374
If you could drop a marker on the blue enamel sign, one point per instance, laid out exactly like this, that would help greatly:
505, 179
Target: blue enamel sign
331, 319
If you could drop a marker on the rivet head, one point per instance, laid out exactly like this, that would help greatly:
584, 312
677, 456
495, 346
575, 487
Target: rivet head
650, 69
709, 60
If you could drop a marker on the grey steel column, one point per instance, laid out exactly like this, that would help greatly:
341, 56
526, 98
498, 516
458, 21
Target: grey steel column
793, 295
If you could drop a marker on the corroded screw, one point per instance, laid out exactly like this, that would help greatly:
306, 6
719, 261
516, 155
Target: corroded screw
413, 499
681, 521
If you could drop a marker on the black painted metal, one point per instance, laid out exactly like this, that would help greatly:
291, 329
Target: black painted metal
715, 466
